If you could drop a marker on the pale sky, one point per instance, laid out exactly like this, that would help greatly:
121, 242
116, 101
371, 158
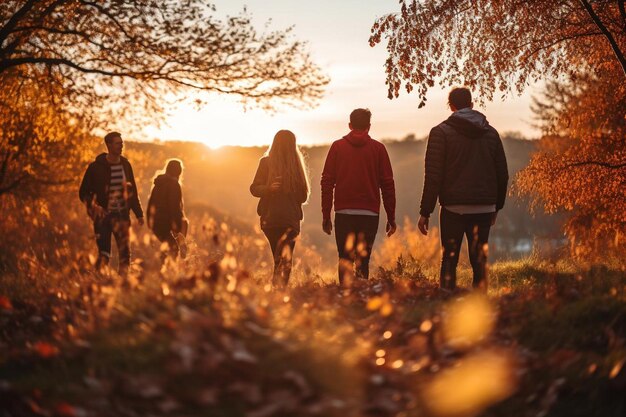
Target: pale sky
337, 33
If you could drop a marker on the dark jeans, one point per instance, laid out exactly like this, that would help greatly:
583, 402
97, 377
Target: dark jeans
117, 224
355, 235
476, 228
282, 242
165, 232
172, 244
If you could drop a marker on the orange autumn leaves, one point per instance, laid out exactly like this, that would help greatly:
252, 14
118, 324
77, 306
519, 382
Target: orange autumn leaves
5, 303
45, 350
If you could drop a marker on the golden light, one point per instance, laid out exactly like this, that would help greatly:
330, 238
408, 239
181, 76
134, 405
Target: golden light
224, 122
165, 289
468, 321
476, 383
616, 369
397, 364
426, 326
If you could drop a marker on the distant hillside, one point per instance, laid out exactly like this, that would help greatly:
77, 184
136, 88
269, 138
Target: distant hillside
221, 178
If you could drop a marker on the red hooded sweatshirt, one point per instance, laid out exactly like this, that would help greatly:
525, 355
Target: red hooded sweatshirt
357, 169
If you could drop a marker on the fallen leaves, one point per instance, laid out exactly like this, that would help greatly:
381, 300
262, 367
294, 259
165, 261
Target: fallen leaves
617, 368
5, 304
382, 348
45, 349
65, 409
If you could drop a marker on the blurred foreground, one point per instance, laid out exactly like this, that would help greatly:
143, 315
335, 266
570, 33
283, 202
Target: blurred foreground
208, 336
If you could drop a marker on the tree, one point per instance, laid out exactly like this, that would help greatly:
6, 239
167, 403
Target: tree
501, 46
498, 45
40, 144
581, 164
147, 48
71, 65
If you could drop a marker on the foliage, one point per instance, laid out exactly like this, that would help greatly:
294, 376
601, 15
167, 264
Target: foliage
408, 243
70, 67
115, 55
503, 45
41, 145
499, 45
581, 164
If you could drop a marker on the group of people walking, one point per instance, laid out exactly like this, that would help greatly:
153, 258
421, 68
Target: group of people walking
110, 193
465, 170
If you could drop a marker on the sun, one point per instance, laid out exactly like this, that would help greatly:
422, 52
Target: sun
218, 124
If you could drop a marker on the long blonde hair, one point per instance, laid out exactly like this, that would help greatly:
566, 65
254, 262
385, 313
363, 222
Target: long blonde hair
286, 160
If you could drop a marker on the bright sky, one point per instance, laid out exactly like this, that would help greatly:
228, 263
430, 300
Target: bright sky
337, 33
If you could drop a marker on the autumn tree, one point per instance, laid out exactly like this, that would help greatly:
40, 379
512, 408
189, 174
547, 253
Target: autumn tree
498, 46
580, 167
93, 61
502, 46
38, 141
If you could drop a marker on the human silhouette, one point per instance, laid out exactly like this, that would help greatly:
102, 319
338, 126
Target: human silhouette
466, 170
109, 192
356, 171
282, 184
166, 216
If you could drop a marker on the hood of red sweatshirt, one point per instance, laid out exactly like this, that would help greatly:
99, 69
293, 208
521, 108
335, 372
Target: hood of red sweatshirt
357, 138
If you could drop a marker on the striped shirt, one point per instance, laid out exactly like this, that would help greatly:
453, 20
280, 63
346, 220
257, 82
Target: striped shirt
117, 202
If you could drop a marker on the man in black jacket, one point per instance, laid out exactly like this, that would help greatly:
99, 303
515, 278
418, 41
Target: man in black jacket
466, 170
109, 192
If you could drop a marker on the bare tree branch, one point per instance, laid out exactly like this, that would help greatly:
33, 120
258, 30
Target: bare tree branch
13, 185
12, 22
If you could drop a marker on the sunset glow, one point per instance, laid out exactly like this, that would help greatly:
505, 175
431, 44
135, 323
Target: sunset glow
357, 80
196, 220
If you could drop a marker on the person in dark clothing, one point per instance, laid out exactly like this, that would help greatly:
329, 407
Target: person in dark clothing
356, 171
109, 192
166, 217
466, 170
282, 184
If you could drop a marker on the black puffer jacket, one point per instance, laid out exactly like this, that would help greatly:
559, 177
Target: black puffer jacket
465, 163
95, 185
165, 206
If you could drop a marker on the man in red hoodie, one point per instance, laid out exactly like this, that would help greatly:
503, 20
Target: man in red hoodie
356, 170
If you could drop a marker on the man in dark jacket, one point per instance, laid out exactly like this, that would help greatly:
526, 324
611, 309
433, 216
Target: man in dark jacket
357, 170
466, 170
109, 192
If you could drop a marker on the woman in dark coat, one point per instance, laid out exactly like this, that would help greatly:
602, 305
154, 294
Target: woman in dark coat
166, 217
282, 185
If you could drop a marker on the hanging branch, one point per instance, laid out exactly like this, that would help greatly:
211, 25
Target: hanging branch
609, 36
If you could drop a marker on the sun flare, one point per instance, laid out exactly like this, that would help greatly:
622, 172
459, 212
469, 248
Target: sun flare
226, 123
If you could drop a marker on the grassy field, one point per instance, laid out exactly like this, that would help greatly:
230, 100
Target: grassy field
547, 340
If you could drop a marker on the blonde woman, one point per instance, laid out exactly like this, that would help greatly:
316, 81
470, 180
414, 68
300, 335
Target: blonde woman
282, 185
